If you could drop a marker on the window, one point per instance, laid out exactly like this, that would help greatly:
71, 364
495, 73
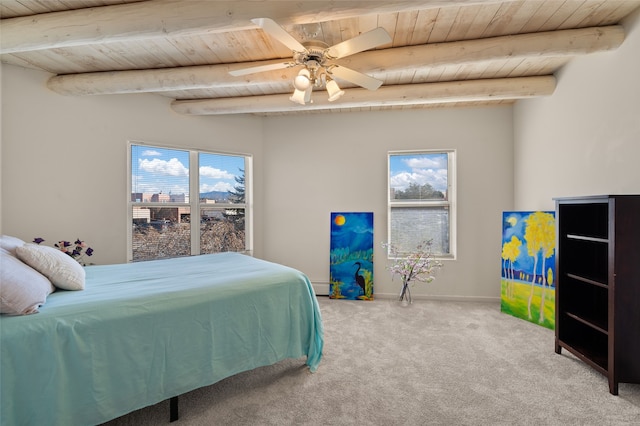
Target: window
174, 212
422, 201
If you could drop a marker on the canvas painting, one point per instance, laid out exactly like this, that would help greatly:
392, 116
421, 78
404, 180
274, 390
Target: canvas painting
351, 257
528, 266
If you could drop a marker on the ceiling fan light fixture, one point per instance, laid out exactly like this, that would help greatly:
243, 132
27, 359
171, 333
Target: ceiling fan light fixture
301, 97
334, 90
315, 57
317, 72
303, 80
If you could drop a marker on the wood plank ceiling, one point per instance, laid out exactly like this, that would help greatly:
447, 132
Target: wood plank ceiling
442, 53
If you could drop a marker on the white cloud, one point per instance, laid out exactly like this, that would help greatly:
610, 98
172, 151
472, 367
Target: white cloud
151, 153
402, 180
427, 162
437, 178
219, 186
172, 167
212, 172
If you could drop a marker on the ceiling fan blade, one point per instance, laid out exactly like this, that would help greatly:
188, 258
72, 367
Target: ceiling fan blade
360, 43
272, 28
356, 77
261, 68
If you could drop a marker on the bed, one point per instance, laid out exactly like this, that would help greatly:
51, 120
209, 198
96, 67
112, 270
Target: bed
141, 333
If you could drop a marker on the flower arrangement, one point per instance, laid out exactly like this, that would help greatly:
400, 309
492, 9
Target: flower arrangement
77, 250
418, 265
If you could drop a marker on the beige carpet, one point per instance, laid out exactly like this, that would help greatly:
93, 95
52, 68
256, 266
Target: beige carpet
432, 363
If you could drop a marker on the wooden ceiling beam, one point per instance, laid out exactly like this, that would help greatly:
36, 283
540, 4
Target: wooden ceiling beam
546, 44
167, 18
400, 95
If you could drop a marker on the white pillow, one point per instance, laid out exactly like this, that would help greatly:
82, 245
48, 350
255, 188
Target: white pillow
22, 289
63, 270
10, 243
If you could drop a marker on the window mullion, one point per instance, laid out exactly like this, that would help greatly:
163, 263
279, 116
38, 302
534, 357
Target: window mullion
194, 201
418, 203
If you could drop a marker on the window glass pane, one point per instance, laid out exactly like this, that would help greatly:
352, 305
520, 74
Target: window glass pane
221, 178
410, 226
163, 194
222, 181
160, 232
159, 175
419, 176
222, 229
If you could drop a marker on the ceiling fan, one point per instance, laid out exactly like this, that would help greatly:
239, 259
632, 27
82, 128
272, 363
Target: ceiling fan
316, 58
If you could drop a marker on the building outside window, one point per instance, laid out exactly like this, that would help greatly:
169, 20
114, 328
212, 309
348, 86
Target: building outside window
173, 211
421, 203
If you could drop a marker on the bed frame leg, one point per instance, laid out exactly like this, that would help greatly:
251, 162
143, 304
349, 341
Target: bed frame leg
173, 409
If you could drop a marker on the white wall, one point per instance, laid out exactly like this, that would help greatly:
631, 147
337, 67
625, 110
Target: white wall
322, 163
585, 138
64, 174
64, 159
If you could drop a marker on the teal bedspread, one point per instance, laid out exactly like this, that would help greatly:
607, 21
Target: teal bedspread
141, 333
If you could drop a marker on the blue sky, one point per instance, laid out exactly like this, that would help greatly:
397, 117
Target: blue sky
419, 169
156, 170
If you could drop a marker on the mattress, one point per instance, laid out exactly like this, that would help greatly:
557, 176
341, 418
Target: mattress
144, 332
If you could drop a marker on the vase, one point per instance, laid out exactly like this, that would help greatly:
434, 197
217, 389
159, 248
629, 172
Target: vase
405, 294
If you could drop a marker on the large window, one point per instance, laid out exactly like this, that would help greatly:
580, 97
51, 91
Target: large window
422, 201
173, 211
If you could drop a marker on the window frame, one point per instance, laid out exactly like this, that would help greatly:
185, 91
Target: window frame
449, 201
194, 203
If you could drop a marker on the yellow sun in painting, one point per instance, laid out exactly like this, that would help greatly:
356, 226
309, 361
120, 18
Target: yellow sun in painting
339, 220
512, 221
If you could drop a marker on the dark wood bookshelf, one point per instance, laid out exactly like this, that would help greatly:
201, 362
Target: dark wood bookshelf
598, 284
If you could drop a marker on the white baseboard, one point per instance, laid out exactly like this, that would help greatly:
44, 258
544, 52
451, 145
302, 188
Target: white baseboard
443, 298
322, 289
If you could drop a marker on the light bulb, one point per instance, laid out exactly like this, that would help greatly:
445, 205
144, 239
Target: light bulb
302, 80
301, 97
297, 97
334, 90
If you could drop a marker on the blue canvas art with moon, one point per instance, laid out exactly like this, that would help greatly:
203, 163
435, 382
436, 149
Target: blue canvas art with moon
351, 258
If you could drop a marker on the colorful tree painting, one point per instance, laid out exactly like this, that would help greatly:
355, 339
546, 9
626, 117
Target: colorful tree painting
351, 256
528, 266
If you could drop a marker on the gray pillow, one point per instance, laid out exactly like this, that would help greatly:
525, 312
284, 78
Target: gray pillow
10, 243
22, 289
